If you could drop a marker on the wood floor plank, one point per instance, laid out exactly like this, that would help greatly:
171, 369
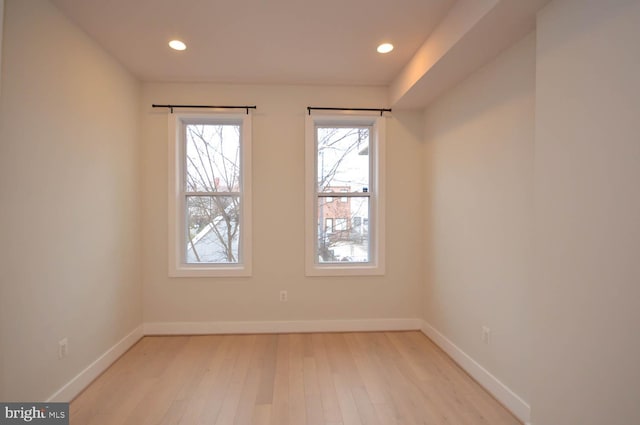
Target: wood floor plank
177, 374
205, 403
364, 363
248, 397
280, 404
297, 402
232, 394
328, 395
376, 378
348, 407
268, 372
406, 399
313, 400
262, 414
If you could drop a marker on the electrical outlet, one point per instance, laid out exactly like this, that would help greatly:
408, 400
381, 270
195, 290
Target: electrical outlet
284, 296
63, 348
486, 334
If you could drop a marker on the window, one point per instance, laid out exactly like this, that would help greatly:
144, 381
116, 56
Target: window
344, 162
209, 195
328, 227
341, 224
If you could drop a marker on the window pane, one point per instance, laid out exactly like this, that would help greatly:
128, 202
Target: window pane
343, 159
343, 231
213, 229
212, 158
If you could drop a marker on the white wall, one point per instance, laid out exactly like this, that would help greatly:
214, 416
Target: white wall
1, 32
2, 379
478, 205
278, 215
587, 169
69, 188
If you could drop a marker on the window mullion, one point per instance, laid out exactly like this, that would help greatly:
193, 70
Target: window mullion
212, 193
344, 195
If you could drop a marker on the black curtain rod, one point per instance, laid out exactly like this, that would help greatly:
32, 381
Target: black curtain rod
247, 107
319, 108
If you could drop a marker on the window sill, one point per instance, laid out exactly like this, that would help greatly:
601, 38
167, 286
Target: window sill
347, 270
224, 271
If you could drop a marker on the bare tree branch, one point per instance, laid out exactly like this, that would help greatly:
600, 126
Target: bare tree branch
211, 168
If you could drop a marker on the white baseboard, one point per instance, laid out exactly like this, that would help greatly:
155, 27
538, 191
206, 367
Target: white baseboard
72, 388
500, 391
357, 325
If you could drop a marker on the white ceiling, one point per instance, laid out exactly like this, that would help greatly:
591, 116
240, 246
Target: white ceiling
260, 41
438, 42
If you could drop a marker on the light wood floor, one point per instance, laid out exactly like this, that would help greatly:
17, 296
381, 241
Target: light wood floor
377, 378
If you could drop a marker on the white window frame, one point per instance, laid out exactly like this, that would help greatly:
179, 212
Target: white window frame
377, 150
177, 227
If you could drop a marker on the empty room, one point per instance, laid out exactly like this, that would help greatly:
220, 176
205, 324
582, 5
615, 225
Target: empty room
348, 212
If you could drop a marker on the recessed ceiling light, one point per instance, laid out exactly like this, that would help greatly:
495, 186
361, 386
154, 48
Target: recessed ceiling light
177, 45
385, 48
